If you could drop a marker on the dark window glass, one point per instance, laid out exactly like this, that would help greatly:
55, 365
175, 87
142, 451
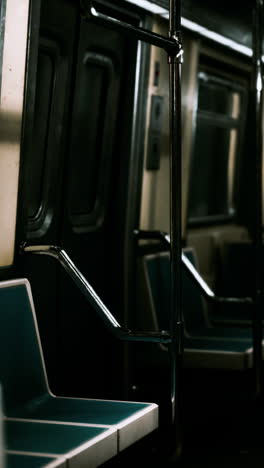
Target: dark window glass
210, 171
217, 133
214, 97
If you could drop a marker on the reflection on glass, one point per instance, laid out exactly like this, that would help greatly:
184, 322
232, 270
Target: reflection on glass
216, 96
218, 123
209, 176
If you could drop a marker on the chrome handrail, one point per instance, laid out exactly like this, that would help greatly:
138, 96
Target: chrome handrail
88, 291
170, 44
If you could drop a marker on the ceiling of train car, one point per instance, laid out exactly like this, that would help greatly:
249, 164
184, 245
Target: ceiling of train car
232, 19
229, 18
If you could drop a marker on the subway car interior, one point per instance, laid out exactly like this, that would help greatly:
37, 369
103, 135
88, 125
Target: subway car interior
131, 213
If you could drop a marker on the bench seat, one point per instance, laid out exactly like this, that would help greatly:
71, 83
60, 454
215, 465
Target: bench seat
225, 333
132, 420
100, 428
203, 352
76, 443
204, 345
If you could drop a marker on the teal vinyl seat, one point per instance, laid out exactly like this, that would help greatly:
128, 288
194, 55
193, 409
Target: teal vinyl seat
78, 445
205, 346
101, 427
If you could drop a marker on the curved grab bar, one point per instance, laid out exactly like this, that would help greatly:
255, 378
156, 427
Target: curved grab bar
90, 294
170, 44
192, 272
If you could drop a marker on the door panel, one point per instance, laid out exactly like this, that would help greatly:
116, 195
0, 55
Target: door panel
74, 181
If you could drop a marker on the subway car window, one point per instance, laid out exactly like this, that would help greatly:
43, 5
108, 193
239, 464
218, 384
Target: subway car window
218, 134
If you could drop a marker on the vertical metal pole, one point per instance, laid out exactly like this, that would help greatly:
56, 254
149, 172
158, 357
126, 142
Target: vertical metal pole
258, 91
176, 328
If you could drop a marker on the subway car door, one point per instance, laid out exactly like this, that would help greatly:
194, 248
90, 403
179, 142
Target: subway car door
75, 190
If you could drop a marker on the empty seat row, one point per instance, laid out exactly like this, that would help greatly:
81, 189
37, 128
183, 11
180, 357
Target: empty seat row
44, 430
205, 346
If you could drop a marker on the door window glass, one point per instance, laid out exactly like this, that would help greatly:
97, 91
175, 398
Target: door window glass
216, 146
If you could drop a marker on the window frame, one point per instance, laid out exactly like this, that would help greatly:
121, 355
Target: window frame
221, 73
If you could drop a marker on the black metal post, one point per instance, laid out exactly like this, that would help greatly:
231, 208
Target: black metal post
173, 46
258, 90
176, 328
138, 33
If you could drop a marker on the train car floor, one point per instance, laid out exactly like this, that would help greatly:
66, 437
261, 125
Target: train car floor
201, 454
206, 457
222, 426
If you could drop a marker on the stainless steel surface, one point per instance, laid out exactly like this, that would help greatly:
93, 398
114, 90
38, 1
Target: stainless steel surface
138, 426
90, 294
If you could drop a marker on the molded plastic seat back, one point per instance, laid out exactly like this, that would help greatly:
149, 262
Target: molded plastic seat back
22, 372
158, 271
193, 305
158, 278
